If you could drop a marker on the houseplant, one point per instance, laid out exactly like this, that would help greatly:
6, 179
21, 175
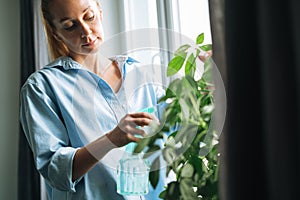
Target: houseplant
190, 150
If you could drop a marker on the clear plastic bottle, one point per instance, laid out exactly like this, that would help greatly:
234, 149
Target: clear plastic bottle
133, 173
133, 170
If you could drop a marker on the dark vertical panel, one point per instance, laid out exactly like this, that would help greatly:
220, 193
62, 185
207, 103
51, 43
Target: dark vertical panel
262, 135
244, 134
28, 177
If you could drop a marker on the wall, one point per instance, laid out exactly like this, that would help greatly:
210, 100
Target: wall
9, 103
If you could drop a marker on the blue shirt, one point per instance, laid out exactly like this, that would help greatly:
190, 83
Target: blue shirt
64, 106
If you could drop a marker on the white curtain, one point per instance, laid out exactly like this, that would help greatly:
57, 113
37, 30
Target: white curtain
41, 59
41, 52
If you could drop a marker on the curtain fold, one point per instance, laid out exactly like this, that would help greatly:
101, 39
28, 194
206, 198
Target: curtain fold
28, 177
217, 20
262, 141
279, 54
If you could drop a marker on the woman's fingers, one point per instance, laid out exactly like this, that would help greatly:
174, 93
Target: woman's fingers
128, 128
131, 125
132, 138
203, 56
121, 137
137, 119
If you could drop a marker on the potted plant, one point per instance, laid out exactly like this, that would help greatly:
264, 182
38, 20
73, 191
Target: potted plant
190, 150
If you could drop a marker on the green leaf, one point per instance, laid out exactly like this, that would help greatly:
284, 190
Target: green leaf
173, 134
141, 145
151, 151
171, 114
210, 189
154, 172
170, 142
206, 47
207, 109
187, 171
169, 155
165, 129
190, 66
186, 189
162, 194
175, 64
197, 53
200, 39
175, 87
169, 95
207, 75
181, 50
191, 82
172, 191
197, 163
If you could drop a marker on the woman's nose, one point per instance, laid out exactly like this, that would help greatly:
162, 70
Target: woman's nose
86, 30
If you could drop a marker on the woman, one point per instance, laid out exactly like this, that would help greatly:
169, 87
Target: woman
74, 111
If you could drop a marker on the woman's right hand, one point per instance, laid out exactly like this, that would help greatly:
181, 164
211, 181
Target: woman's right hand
127, 128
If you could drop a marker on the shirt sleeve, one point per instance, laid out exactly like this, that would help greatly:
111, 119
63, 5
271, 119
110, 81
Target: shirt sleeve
47, 136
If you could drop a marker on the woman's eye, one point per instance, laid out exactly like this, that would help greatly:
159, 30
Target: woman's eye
70, 26
90, 18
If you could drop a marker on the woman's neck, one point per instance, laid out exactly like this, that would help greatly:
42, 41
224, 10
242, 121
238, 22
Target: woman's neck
93, 62
104, 68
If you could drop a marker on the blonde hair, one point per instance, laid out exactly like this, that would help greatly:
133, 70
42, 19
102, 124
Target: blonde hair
56, 47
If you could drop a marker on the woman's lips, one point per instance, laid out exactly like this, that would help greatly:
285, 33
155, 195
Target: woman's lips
88, 44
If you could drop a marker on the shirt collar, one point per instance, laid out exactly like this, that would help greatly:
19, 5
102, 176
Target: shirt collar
68, 63
121, 61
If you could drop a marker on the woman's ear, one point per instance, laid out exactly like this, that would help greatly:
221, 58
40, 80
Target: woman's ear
56, 36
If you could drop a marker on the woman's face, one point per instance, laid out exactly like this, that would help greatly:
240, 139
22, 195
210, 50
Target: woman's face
79, 25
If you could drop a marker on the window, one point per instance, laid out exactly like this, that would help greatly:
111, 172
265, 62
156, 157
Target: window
169, 25
140, 14
187, 18
194, 18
